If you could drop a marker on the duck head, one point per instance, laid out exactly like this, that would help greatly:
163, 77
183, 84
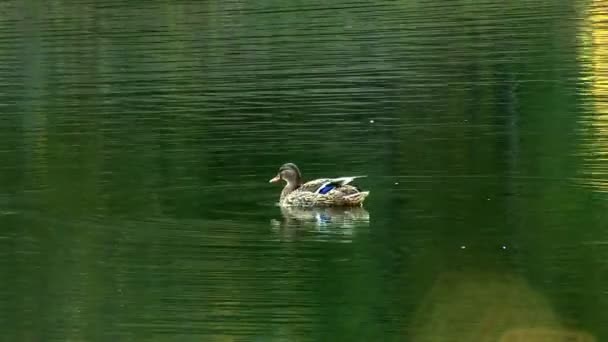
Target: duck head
290, 173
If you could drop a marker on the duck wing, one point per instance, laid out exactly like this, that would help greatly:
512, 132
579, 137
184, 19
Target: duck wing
313, 185
344, 189
323, 186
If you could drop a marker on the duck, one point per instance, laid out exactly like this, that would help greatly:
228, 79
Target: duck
321, 192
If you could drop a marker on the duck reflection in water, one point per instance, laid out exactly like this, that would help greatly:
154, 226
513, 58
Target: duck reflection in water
330, 221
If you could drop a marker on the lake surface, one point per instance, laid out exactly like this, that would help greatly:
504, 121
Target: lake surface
138, 138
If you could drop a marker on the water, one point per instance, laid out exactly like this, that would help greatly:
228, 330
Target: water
138, 139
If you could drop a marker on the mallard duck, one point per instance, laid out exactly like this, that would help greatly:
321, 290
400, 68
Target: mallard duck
322, 192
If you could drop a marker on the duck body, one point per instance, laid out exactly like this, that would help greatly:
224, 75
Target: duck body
322, 192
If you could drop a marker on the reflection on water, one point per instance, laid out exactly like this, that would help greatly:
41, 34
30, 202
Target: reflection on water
594, 50
546, 335
343, 222
488, 307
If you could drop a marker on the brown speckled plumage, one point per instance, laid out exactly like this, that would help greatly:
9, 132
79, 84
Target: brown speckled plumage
299, 194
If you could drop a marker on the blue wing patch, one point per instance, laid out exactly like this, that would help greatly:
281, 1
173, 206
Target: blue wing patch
326, 189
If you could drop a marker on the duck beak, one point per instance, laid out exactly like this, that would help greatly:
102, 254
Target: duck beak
275, 179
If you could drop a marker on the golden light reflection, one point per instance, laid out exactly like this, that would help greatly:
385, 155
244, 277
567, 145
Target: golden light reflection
594, 56
488, 307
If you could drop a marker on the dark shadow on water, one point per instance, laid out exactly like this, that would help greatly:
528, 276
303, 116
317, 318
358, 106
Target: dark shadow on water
322, 222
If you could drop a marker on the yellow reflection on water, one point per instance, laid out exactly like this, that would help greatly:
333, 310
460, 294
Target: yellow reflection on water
488, 307
594, 57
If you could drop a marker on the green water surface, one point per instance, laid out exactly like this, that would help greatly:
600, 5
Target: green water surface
137, 139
